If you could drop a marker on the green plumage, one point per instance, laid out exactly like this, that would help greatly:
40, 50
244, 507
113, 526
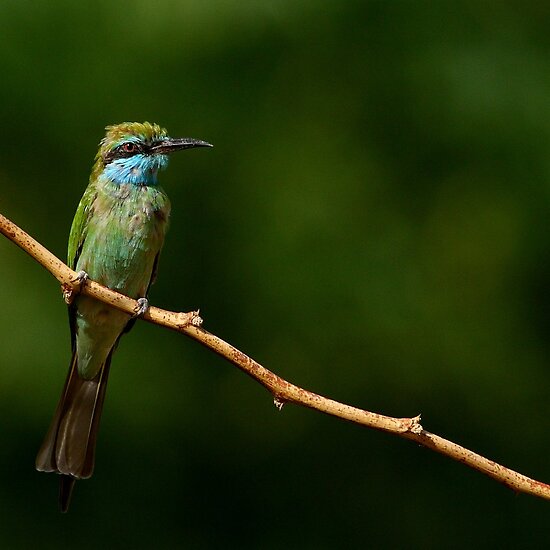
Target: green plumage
116, 238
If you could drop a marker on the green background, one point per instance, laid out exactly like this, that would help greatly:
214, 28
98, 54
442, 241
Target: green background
372, 225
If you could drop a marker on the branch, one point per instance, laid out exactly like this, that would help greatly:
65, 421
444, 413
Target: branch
282, 391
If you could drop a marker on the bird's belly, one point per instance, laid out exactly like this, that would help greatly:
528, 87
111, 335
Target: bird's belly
98, 328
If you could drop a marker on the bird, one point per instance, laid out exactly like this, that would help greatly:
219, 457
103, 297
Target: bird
115, 239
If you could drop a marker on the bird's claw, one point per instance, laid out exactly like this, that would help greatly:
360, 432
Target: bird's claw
72, 289
81, 277
141, 307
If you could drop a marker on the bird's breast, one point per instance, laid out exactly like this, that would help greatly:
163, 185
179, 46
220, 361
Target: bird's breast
125, 234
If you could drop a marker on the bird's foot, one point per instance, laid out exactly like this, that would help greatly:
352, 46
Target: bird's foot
141, 307
72, 289
81, 277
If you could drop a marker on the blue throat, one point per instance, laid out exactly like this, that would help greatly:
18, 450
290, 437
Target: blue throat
136, 170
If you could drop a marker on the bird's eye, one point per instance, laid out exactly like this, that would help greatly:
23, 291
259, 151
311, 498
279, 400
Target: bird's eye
129, 147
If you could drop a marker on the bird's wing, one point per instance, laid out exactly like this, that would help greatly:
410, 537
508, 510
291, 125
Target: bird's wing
79, 228
77, 236
153, 273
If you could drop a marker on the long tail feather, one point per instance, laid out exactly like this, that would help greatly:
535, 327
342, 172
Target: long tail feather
69, 445
66, 486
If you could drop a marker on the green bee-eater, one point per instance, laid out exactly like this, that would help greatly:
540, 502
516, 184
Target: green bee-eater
116, 238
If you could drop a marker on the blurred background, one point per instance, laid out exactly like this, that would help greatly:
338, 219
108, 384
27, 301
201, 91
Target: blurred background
372, 225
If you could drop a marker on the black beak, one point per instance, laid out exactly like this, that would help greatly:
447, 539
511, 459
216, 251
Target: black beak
177, 144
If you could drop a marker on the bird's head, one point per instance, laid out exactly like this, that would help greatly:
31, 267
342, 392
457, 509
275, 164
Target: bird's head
134, 152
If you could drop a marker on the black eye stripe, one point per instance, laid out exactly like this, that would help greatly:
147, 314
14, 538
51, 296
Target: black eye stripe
125, 150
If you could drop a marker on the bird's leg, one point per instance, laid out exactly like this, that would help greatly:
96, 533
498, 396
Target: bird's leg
141, 307
72, 289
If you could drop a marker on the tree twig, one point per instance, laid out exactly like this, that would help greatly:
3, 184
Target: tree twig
281, 390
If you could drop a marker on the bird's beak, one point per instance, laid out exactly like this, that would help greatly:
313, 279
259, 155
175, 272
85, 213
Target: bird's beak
176, 144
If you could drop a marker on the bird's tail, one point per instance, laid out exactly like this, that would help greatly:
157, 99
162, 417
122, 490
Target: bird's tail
69, 445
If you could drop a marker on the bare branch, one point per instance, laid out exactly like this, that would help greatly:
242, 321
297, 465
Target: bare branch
282, 391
